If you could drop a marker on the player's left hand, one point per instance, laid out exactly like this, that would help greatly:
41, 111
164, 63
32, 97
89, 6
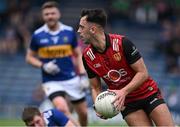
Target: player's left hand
99, 115
119, 100
84, 81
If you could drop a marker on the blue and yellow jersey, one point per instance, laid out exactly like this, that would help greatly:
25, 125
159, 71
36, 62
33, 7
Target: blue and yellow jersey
54, 117
57, 46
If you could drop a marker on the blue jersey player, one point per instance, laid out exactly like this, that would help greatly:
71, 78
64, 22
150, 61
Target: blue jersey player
52, 47
32, 117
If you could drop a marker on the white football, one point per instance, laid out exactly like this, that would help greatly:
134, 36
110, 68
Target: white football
103, 104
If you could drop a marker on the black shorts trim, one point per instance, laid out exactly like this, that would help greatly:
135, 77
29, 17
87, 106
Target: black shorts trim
147, 104
55, 94
63, 94
78, 101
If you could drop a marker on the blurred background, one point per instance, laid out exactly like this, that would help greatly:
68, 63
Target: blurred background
153, 26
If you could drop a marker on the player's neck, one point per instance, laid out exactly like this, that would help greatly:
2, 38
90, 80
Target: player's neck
54, 27
99, 42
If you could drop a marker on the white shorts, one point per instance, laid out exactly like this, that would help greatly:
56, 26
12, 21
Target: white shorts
71, 87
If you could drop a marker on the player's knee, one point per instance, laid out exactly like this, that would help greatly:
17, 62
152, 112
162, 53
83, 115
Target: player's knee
65, 110
83, 113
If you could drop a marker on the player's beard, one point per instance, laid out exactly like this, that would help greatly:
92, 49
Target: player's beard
86, 41
52, 24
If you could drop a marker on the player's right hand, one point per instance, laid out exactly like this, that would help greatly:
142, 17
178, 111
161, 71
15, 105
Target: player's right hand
51, 67
120, 99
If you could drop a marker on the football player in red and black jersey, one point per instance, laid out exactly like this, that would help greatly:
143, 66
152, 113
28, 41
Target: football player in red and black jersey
116, 60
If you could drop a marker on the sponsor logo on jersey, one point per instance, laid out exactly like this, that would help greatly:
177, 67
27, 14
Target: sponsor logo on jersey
47, 115
155, 99
97, 65
134, 51
57, 51
117, 56
55, 39
43, 41
115, 75
115, 44
91, 54
150, 88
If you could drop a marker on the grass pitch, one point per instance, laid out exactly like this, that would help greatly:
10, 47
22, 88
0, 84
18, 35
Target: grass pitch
18, 122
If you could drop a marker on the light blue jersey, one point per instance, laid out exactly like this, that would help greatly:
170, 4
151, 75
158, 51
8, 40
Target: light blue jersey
55, 118
56, 45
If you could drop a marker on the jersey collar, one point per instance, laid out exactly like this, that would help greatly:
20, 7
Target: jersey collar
61, 28
107, 40
107, 44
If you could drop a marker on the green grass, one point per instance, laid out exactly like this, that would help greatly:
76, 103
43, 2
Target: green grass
18, 122
11, 122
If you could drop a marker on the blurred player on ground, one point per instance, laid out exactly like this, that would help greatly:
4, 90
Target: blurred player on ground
116, 60
51, 49
32, 117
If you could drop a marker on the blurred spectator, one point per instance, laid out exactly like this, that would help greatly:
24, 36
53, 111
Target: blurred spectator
173, 56
118, 11
173, 98
173, 51
165, 37
22, 16
16, 27
146, 13
9, 42
176, 8
168, 45
164, 9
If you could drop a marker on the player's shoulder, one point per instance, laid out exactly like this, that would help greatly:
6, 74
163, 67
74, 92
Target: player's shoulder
66, 27
116, 39
48, 113
89, 47
40, 30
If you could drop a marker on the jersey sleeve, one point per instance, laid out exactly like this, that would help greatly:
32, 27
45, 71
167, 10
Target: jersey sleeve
130, 51
59, 117
74, 40
89, 71
34, 43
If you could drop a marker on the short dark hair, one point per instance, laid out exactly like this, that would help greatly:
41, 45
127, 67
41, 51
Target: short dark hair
50, 4
29, 113
97, 16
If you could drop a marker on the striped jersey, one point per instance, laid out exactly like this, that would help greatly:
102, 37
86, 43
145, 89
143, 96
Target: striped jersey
113, 66
54, 117
57, 45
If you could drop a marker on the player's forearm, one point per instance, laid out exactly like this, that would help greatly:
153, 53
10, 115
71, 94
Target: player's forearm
78, 60
136, 82
95, 93
95, 84
34, 61
80, 66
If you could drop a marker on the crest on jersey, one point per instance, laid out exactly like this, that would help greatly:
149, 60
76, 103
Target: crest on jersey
55, 39
65, 39
117, 56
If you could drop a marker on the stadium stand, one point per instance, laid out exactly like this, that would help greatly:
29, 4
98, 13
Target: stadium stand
18, 80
